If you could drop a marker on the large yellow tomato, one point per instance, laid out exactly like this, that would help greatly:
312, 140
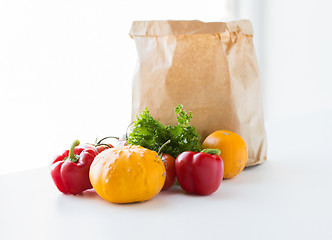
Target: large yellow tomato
127, 174
233, 150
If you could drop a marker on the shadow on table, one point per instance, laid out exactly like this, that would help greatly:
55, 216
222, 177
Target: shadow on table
230, 190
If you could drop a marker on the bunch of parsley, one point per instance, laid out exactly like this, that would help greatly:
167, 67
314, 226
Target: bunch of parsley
150, 133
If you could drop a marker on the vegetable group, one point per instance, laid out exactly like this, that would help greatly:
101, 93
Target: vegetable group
127, 174
199, 173
133, 171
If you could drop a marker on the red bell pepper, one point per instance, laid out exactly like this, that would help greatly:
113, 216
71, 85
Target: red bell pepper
199, 172
70, 170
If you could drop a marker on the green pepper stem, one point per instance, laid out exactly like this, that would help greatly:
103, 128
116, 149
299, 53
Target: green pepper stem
211, 151
72, 157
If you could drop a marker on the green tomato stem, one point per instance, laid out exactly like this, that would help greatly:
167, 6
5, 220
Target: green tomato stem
101, 140
211, 151
162, 146
128, 129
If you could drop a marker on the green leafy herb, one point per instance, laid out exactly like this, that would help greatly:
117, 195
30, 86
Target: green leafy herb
150, 133
183, 118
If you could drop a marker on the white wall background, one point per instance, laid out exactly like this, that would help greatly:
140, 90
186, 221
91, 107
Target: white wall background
298, 54
66, 70
66, 66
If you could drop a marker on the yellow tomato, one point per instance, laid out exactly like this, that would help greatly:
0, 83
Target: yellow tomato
127, 174
233, 151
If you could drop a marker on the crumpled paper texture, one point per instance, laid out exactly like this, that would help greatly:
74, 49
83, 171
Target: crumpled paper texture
210, 68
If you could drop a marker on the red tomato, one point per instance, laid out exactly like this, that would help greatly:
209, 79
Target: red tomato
99, 148
169, 163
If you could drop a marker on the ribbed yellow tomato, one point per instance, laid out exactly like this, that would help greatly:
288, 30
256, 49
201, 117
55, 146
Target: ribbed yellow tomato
233, 150
127, 174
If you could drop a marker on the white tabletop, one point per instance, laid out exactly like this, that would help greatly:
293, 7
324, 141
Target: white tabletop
288, 197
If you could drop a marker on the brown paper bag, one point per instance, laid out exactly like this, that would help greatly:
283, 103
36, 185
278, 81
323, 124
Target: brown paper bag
210, 68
